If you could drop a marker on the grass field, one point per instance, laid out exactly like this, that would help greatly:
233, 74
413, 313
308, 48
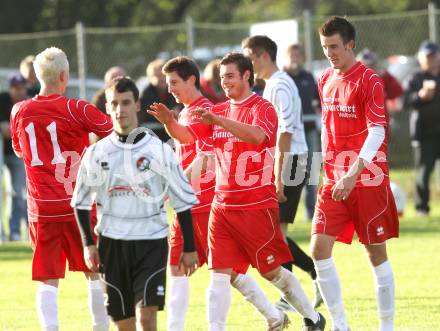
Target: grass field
415, 258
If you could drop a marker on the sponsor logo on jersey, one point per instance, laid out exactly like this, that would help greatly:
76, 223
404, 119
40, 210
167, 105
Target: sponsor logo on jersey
223, 134
128, 191
347, 111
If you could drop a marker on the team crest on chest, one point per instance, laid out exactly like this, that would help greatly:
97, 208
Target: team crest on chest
143, 164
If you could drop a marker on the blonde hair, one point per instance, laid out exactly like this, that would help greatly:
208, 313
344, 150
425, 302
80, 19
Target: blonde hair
49, 64
153, 66
26, 65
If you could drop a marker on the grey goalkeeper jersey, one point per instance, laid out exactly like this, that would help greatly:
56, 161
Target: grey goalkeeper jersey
130, 183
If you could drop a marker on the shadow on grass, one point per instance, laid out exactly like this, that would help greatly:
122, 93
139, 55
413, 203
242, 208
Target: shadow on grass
15, 251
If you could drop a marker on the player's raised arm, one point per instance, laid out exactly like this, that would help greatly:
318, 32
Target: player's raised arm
174, 129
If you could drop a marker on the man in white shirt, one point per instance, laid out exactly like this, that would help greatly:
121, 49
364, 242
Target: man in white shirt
129, 174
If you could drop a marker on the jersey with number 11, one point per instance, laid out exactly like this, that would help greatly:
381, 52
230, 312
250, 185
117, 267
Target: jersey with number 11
50, 134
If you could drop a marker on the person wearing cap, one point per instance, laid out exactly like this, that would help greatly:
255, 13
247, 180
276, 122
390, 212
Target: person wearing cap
392, 87
17, 92
155, 91
423, 97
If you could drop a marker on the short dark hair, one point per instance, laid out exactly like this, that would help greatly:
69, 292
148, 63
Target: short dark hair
242, 62
123, 84
341, 25
184, 67
258, 44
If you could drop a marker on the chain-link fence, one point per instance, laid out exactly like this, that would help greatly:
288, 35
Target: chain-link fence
385, 34
92, 51
134, 47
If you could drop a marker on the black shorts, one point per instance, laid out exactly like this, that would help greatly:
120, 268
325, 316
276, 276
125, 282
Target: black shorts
294, 179
134, 272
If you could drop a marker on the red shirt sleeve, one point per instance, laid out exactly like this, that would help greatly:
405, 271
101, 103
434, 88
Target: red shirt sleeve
200, 131
14, 134
374, 100
265, 117
393, 89
90, 117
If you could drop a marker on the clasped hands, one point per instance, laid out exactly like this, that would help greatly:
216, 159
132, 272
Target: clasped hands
164, 115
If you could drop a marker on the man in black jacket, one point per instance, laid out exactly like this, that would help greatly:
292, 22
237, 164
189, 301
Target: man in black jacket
423, 96
16, 93
156, 91
308, 92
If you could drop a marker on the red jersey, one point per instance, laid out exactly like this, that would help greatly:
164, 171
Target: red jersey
392, 91
392, 87
351, 103
204, 186
244, 171
51, 134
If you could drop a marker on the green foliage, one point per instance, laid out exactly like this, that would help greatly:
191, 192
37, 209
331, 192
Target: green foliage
265, 10
19, 16
41, 15
360, 7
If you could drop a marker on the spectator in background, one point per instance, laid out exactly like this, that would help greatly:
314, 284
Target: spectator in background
16, 93
259, 86
27, 71
423, 97
156, 91
210, 83
392, 88
308, 92
99, 98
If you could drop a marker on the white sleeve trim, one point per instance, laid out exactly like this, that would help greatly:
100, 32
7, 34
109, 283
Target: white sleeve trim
375, 138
